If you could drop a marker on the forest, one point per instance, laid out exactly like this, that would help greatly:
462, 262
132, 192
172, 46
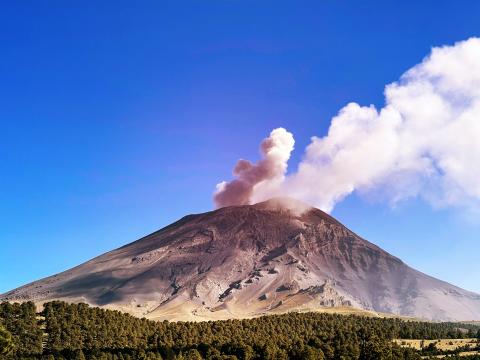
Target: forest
78, 331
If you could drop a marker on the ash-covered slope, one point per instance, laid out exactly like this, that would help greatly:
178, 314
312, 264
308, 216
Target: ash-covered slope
241, 261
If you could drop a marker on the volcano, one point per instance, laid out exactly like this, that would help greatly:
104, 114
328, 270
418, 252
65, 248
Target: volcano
243, 261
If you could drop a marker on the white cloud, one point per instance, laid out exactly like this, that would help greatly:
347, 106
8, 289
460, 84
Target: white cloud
425, 141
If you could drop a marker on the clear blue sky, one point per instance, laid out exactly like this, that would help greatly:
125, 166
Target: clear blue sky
118, 117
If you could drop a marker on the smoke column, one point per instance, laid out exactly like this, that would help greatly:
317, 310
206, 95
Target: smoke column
425, 142
270, 169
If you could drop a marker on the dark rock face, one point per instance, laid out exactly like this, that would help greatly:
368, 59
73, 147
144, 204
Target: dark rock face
278, 255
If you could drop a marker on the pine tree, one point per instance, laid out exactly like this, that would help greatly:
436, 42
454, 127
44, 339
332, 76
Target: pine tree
79, 355
6, 341
193, 354
111, 335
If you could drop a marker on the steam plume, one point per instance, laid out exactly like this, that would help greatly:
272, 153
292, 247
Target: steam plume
425, 142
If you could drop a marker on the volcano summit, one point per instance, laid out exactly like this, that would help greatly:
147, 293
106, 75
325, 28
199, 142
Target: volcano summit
243, 261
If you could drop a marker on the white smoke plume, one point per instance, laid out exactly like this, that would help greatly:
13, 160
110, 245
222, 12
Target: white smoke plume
425, 142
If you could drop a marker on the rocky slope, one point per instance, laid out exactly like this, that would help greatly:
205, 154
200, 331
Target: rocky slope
243, 261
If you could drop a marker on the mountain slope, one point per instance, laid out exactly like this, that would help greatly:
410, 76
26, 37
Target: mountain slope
241, 261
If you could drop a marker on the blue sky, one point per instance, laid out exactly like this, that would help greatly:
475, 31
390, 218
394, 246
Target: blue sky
116, 118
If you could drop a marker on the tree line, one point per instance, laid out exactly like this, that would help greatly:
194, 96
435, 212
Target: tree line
78, 331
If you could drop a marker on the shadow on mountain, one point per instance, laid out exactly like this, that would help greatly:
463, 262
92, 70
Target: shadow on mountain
100, 287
